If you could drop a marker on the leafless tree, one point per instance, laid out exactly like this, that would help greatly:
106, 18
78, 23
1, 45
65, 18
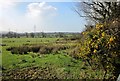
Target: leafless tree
98, 11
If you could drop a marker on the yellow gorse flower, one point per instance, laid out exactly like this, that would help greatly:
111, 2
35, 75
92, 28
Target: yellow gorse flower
95, 51
111, 39
103, 34
99, 26
83, 33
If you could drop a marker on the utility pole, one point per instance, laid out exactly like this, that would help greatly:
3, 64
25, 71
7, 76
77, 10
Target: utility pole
35, 33
9, 30
34, 30
9, 33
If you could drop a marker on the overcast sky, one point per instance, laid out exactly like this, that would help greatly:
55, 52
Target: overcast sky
46, 16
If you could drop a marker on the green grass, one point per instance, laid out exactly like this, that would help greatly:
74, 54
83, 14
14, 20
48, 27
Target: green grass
13, 61
20, 41
62, 63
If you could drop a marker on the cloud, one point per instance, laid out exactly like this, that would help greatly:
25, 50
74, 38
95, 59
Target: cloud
7, 4
39, 13
5, 7
36, 14
40, 10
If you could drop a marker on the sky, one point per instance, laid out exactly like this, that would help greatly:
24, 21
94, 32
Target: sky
39, 17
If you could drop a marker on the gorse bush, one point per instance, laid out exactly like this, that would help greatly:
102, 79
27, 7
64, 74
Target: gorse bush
101, 48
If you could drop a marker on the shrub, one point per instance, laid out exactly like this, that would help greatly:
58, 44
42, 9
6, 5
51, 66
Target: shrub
101, 48
3, 44
15, 51
18, 50
74, 52
42, 49
23, 50
45, 50
35, 48
55, 50
10, 48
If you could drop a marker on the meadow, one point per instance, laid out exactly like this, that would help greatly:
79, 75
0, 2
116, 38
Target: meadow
55, 64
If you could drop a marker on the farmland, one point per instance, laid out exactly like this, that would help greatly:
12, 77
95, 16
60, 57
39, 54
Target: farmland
46, 40
40, 65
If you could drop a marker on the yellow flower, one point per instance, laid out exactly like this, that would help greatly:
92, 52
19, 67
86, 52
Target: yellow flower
101, 25
103, 34
98, 26
96, 46
114, 37
89, 42
111, 39
95, 51
99, 39
83, 33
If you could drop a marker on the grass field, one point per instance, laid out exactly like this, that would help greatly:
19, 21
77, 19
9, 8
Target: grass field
43, 66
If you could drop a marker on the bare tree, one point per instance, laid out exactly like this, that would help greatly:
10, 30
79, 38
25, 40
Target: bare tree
98, 11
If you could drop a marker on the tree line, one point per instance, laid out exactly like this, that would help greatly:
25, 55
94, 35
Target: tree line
39, 35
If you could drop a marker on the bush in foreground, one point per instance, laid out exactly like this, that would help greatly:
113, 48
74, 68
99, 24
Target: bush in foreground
101, 48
